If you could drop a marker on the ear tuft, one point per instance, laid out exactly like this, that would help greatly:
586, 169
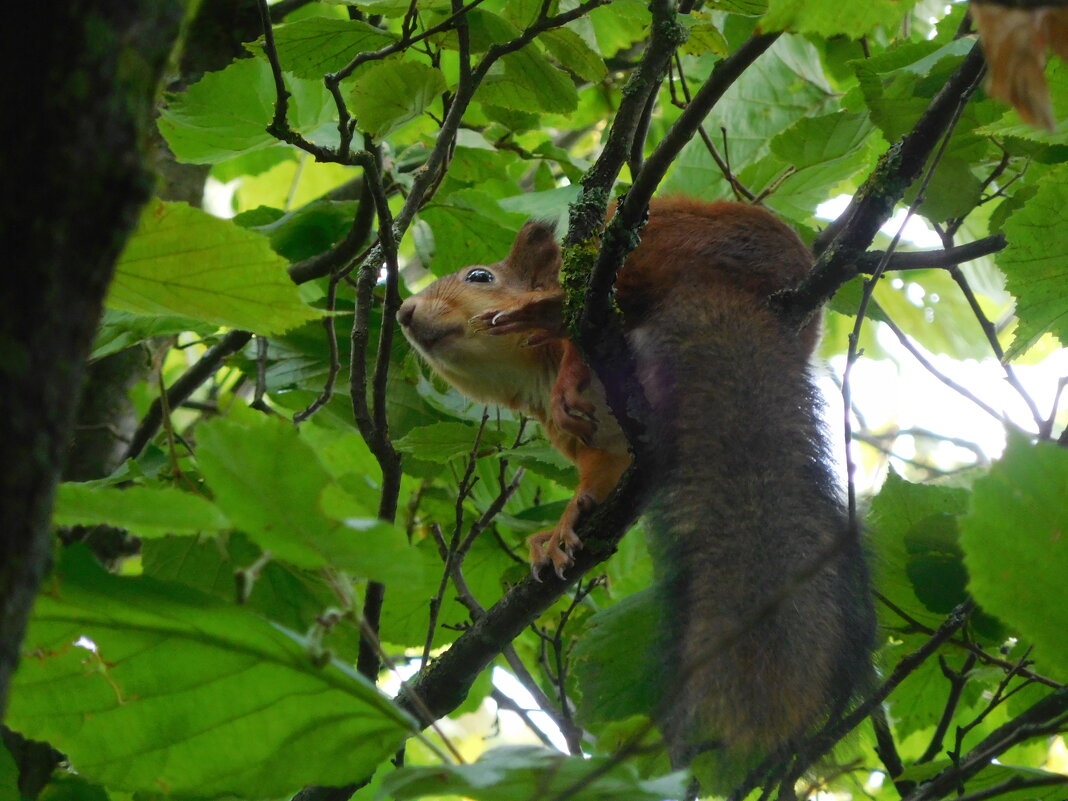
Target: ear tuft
535, 255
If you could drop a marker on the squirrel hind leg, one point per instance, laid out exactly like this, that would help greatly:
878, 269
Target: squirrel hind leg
571, 411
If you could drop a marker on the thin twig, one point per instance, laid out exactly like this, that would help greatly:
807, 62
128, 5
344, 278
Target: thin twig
723, 76
957, 681
279, 126
992, 337
886, 748
505, 702
740, 191
1043, 718
927, 365
333, 260
403, 43
1014, 785
185, 386
986, 658
335, 362
466, 484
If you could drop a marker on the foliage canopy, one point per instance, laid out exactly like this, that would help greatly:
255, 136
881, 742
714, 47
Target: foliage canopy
369, 145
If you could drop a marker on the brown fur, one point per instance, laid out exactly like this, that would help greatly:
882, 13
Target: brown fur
745, 498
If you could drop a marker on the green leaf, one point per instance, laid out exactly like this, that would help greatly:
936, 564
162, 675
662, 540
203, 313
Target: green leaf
181, 260
528, 81
833, 19
550, 205
394, 8
119, 330
142, 511
226, 113
486, 29
619, 24
783, 85
816, 141
471, 228
748, 8
405, 616
1016, 548
703, 37
272, 486
187, 696
514, 120
282, 593
571, 50
524, 13
313, 47
814, 153
385, 96
253, 163
928, 305
919, 703
9, 775
518, 772
617, 662
902, 513
990, 777
897, 85
1036, 263
305, 232
442, 441
540, 457
67, 787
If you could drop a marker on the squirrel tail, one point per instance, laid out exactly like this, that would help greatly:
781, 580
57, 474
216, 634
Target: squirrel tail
770, 627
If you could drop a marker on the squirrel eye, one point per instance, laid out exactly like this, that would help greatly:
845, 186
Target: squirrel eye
479, 276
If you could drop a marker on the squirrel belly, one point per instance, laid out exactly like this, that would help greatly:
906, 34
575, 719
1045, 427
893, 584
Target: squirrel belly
769, 625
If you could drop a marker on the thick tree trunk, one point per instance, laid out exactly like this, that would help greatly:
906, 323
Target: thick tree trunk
85, 85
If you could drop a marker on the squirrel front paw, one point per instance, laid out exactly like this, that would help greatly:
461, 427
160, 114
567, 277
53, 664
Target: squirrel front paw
498, 322
539, 312
557, 545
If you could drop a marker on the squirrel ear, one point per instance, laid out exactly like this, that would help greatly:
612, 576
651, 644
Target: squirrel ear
535, 255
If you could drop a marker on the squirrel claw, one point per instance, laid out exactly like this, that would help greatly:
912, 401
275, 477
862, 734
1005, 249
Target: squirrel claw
497, 322
553, 548
558, 545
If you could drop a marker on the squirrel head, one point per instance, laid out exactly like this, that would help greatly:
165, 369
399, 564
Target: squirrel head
442, 322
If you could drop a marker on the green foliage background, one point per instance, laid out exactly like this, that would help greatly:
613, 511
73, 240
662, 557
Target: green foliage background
161, 679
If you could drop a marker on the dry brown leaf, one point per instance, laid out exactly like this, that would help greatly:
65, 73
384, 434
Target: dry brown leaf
1016, 42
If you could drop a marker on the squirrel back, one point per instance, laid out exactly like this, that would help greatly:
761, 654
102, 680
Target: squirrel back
769, 625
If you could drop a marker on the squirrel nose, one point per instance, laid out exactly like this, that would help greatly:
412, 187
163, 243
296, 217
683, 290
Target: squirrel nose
406, 312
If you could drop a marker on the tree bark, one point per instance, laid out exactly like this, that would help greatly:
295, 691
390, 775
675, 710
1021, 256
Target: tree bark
84, 86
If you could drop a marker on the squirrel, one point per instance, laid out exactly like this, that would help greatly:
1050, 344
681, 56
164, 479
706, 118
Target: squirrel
768, 623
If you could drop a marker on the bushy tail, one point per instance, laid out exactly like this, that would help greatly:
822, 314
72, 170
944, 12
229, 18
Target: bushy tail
769, 626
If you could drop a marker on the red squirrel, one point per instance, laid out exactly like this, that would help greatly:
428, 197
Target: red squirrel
768, 625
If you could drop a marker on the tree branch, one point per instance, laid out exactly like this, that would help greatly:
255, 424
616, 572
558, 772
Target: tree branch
930, 259
723, 76
846, 238
445, 682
